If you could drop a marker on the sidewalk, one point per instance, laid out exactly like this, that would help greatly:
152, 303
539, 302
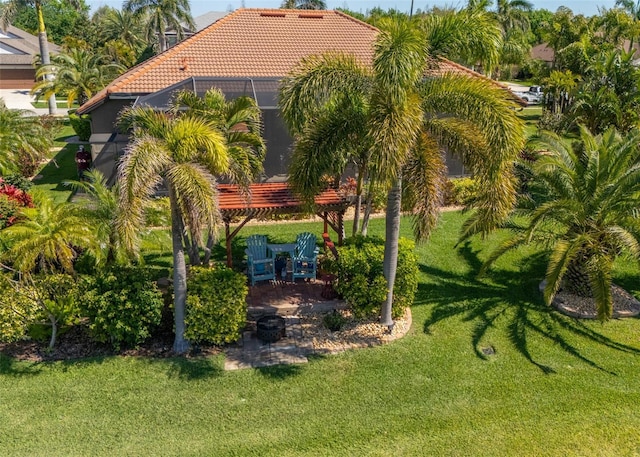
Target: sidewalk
21, 100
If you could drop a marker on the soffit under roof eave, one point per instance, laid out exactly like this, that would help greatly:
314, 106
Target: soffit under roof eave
86, 109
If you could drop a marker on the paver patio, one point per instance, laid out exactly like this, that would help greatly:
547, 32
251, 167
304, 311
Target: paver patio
289, 300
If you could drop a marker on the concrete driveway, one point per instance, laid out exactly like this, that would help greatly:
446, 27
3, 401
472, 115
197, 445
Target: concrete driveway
20, 99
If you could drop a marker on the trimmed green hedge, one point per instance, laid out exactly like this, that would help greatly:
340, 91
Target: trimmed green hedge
216, 309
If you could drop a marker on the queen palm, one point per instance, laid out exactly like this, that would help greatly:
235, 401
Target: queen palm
184, 153
410, 121
7, 13
160, 16
586, 212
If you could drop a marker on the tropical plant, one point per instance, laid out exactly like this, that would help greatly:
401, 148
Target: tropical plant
184, 153
471, 35
610, 95
78, 72
160, 16
23, 139
8, 12
411, 121
48, 237
584, 208
102, 209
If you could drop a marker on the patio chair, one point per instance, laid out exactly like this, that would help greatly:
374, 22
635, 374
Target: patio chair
260, 259
305, 259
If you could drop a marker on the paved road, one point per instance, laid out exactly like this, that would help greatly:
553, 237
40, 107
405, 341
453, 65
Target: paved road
20, 99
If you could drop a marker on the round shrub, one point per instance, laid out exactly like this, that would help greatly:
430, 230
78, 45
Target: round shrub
460, 191
216, 310
81, 125
361, 280
123, 305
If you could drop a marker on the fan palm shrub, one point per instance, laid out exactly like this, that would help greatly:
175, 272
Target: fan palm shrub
584, 207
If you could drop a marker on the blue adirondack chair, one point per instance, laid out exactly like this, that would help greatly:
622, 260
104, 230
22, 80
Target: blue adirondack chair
305, 259
260, 259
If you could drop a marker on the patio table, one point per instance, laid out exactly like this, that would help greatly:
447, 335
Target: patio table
282, 248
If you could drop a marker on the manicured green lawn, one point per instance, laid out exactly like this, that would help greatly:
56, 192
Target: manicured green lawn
553, 385
60, 168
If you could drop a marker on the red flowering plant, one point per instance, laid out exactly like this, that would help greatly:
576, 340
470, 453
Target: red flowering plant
11, 200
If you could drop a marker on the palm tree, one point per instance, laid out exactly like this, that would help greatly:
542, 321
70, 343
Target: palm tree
411, 121
304, 5
7, 13
240, 121
101, 208
21, 136
115, 24
48, 237
78, 72
586, 210
184, 153
472, 35
160, 16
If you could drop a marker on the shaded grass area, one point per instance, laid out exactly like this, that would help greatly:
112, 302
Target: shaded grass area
59, 168
486, 369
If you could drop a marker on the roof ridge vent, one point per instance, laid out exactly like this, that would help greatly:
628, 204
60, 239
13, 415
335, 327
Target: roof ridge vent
272, 14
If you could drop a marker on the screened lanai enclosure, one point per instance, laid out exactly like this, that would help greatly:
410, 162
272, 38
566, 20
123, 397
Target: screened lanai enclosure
263, 90
107, 148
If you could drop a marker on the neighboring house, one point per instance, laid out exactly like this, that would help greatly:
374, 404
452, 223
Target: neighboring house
18, 50
544, 53
245, 53
201, 22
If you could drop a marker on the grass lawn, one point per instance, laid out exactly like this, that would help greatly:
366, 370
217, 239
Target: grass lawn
60, 168
550, 385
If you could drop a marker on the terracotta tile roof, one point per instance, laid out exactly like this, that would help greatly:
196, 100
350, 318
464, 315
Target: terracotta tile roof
271, 198
248, 43
253, 43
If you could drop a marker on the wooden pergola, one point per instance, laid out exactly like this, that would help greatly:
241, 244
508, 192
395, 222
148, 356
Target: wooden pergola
266, 199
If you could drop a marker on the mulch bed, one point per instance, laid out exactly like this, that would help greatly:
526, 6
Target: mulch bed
624, 304
76, 343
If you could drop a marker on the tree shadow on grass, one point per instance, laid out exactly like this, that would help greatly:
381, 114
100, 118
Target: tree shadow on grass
191, 369
280, 372
510, 295
11, 367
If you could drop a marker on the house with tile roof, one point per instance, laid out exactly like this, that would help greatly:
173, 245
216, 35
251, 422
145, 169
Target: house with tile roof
247, 52
18, 50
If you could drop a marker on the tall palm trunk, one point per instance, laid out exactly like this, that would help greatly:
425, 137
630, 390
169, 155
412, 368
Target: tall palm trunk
180, 345
392, 237
44, 53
